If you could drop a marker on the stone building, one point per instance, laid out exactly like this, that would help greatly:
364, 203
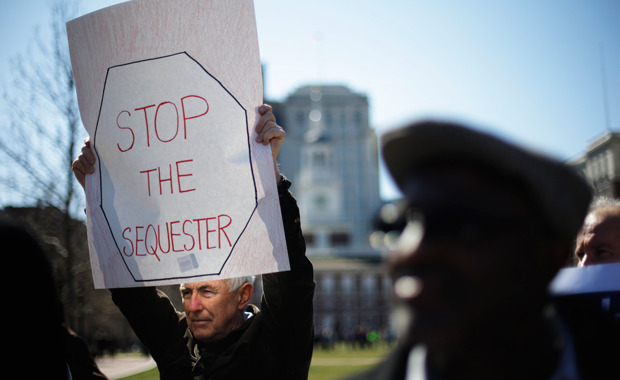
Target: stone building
331, 156
600, 165
351, 294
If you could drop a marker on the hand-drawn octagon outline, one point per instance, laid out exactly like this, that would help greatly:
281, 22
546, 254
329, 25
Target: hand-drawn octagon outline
94, 146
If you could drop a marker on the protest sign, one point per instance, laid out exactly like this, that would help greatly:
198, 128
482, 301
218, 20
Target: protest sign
168, 91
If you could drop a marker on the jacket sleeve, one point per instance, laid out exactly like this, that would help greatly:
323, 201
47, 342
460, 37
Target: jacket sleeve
158, 325
287, 296
81, 363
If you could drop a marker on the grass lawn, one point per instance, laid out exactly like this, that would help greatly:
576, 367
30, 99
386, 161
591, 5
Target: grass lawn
333, 364
152, 374
343, 361
334, 372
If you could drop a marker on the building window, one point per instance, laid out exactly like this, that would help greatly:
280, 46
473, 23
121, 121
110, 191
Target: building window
347, 284
387, 286
300, 119
609, 164
328, 303
347, 322
319, 160
327, 284
339, 239
320, 202
327, 322
369, 284
357, 119
328, 120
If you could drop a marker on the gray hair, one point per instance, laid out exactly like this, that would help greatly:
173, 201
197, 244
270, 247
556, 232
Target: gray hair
236, 282
233, 283
605, 203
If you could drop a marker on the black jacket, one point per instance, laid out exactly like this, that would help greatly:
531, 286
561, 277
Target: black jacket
596, 337
276, 343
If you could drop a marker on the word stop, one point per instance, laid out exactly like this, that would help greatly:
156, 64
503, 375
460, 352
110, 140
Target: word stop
168, 112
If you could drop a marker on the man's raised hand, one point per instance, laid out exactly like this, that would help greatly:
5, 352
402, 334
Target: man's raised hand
84, 164
269, 132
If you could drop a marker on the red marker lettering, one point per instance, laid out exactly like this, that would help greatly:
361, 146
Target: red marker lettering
138, 228
169, 179
172, 235
159, 234
130, 242
193, 241
146, 239
208, 230
133, 137
148, 179
199, 238
185, 117
177, 120
146, 120
221, 230
179, 175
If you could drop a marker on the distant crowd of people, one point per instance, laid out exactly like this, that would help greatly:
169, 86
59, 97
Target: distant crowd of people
358, 337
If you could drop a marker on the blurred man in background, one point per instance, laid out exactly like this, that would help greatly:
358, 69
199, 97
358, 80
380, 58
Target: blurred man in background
489, 225
598, 241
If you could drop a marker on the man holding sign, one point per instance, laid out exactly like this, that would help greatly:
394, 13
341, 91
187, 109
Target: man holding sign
221, 336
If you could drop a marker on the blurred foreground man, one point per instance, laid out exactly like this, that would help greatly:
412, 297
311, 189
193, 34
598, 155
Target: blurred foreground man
221, 336
598, 241
489, 225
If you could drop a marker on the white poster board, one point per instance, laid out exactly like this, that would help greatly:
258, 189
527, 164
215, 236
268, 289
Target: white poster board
168, 91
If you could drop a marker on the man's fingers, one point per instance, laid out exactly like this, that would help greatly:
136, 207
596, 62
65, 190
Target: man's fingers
273, 133
83, 164
88, 167
87, 153
81, 178
264, 120
78, 165
79, 171
270, 131
274, 136
264, 109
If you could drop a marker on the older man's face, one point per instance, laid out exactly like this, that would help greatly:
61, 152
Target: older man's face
599, 240
211, 309
481, 259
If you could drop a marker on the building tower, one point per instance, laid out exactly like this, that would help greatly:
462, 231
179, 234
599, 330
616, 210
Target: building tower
331, 156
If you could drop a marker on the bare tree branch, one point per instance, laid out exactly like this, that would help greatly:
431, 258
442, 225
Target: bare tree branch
39, 143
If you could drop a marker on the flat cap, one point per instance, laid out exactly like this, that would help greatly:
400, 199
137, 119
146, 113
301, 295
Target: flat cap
559, 190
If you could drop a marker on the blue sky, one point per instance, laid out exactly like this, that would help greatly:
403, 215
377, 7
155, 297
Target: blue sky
528, 70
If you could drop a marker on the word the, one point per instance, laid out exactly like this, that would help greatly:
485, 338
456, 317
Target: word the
168, 105
177, 236
168, 178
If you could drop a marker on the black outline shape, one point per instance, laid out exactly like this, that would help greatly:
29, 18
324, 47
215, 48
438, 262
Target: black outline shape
94, 146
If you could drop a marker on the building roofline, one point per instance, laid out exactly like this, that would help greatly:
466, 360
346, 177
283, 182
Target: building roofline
599, 141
